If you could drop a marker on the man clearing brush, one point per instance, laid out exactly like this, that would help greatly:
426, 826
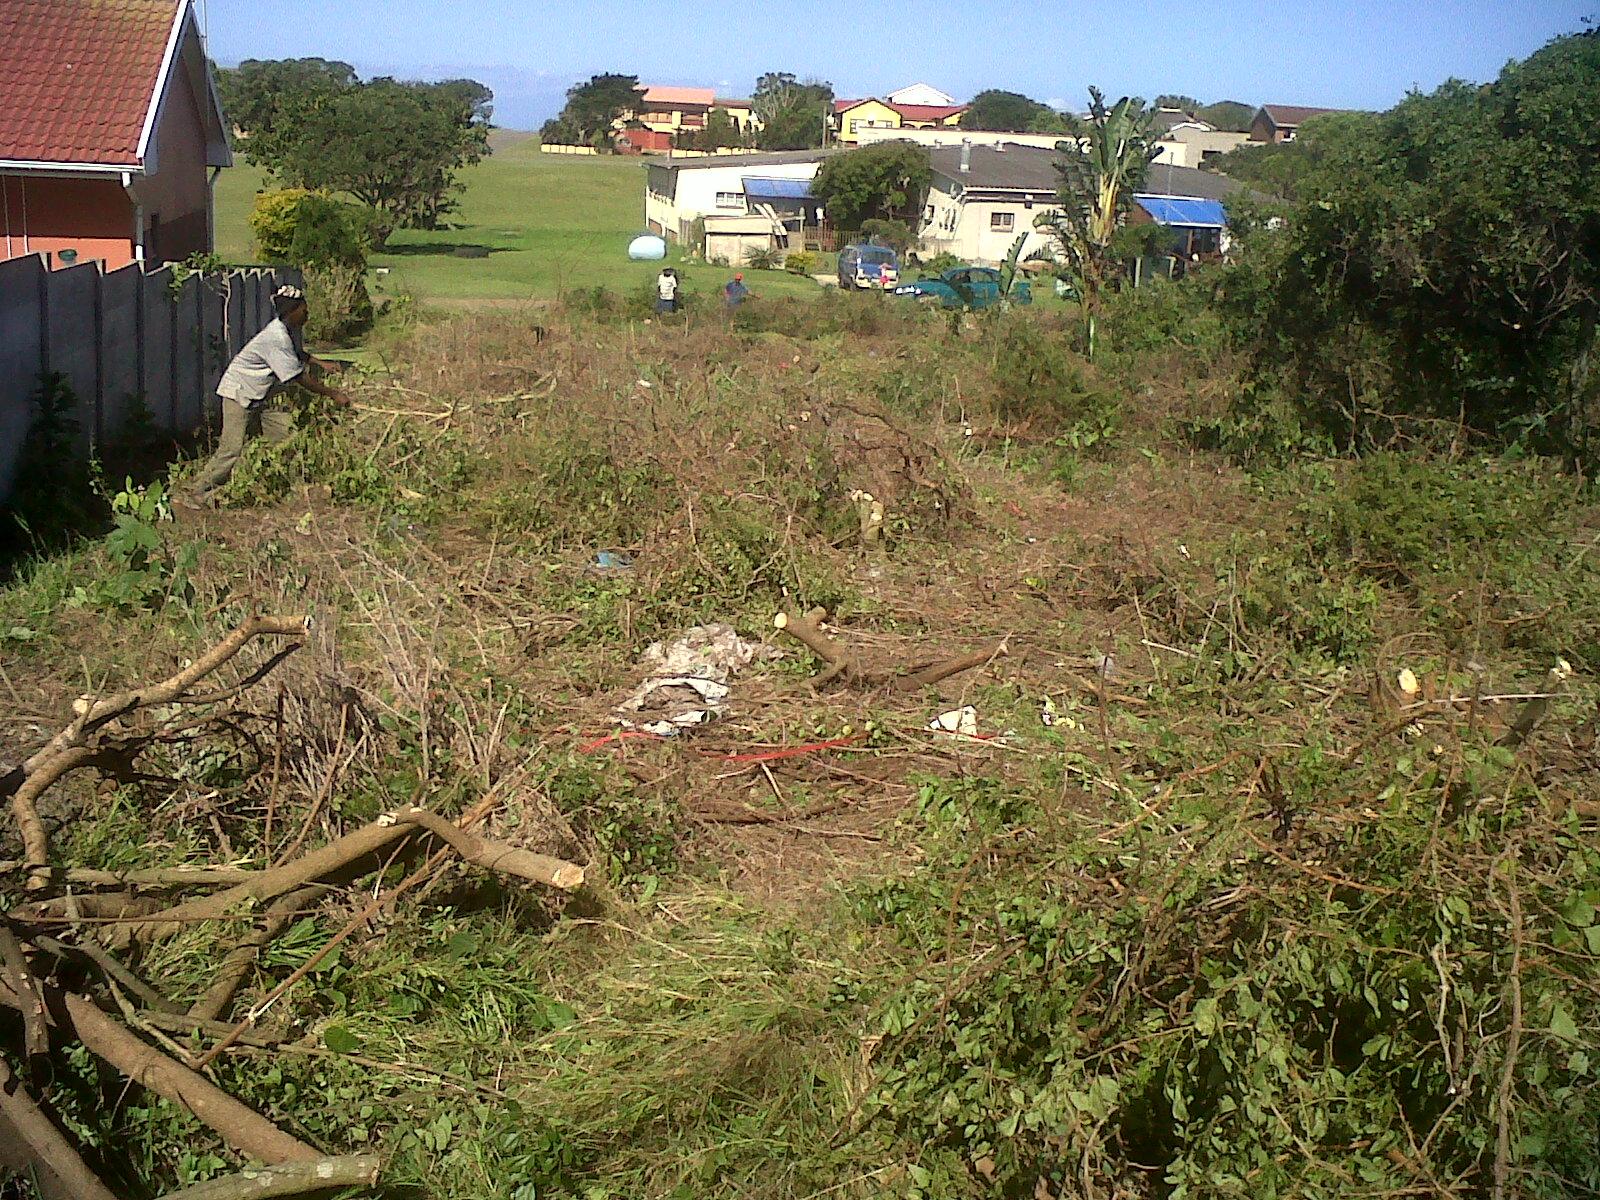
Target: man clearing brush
269, 362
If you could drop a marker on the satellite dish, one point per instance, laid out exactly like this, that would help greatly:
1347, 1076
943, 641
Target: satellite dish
647, 247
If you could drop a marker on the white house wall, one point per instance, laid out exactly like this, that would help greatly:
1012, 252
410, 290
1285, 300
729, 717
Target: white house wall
965, 229
698, 189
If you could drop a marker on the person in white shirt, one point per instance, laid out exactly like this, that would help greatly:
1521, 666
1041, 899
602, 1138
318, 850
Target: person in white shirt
268, 363
667, 291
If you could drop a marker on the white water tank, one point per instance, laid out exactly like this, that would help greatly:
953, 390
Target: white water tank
647, 247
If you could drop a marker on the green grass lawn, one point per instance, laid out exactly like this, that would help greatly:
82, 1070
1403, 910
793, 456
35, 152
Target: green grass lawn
550, 222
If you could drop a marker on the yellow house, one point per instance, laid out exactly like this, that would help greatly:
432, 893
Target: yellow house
849, 116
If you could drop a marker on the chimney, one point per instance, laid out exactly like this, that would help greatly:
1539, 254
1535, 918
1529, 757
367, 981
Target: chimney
966, 155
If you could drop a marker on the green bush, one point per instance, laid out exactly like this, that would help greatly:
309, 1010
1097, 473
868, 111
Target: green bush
764, 258
1038, 377
801, 262
341, 306
328, 240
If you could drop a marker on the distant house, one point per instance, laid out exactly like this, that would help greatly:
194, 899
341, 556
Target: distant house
673, 110
983, 197
921, 93
851, 117
680, 192
111, 133
669, 114
1165, 120
1280, 122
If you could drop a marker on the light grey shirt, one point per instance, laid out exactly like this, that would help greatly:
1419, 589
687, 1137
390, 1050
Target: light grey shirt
269, 360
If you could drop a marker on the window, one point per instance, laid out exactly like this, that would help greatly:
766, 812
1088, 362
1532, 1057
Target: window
928, 216
730, 200
1002, 221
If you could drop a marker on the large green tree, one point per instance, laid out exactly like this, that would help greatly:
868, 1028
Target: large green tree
266, 99
995, 109
1444, 260
1177, 100
1095, 194
593, 108
887, 180
394, 146
793, 113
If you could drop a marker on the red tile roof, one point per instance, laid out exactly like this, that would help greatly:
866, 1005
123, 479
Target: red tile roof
80, 77
1293, 114
928, 112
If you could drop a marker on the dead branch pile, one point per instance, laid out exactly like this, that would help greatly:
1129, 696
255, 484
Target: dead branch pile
79, 921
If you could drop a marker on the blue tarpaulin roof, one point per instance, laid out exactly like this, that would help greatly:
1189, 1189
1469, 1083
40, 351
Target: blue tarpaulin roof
762, 188
1179, 210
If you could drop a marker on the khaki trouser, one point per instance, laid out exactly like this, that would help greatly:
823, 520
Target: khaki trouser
239, 425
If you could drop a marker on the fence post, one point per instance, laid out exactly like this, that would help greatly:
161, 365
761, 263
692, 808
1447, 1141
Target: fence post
44, 316
99, 357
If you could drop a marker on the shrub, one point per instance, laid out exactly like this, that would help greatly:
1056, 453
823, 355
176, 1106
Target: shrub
341, 306
1037, 376
273, 219
328, 240
763, 259
801, 262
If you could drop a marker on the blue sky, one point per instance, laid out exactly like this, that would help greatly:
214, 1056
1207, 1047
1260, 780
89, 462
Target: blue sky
1357, 54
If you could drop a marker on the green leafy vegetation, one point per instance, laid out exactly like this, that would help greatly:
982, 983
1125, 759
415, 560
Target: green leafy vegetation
395, 147
888, 180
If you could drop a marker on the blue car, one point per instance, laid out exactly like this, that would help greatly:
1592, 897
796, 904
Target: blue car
966, 287
868, 266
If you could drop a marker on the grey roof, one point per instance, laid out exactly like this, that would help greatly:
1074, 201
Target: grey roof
1165, 180
775, 158
1032, 169
1013, 169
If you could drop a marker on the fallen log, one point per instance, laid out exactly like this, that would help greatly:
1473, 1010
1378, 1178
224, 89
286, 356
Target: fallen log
68, 749
241, 1127
291, 1179
951, 666
497, 856
19, 978
30, 1143
386, 832
383, 834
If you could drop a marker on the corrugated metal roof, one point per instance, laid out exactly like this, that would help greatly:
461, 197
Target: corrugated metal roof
1175, 210
771, 159
759, 187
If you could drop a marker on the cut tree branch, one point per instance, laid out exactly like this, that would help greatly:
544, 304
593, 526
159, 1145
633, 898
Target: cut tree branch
35, 1143
68, 749
291, 1179
242, 1128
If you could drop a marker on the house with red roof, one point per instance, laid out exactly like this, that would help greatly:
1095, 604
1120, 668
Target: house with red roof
851, 116
111, 132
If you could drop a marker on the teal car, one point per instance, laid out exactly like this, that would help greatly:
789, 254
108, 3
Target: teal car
966, 287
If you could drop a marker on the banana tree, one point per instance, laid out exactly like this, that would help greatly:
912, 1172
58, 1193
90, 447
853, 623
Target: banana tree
1099, 174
